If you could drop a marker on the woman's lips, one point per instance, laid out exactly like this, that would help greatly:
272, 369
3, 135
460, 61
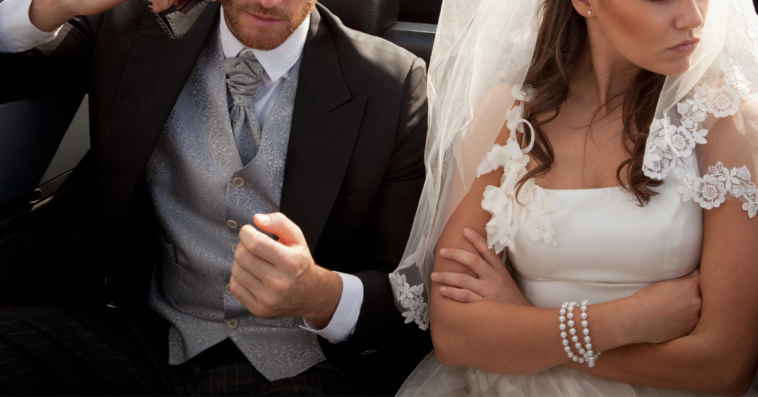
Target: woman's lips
685, 47
263, 21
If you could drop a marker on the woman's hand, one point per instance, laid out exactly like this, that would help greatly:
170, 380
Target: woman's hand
493, 282
667, 310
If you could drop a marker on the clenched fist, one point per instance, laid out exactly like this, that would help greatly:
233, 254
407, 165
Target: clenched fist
279, 278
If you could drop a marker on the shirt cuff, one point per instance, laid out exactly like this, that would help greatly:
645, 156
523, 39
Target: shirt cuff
346, 316
17, 34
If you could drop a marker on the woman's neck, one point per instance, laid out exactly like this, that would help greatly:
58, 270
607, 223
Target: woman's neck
601, 74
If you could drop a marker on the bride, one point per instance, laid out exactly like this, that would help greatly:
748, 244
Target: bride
585, 227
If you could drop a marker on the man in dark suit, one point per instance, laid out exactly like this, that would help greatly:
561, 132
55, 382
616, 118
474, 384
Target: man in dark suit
205, 121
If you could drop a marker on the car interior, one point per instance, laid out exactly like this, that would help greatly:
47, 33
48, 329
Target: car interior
47, 191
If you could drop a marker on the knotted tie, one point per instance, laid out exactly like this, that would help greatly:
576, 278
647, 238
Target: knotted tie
243, 75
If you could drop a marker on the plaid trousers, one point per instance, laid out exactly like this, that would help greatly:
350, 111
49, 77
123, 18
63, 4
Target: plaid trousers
66, 351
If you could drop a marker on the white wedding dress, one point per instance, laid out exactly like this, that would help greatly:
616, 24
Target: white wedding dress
571, 245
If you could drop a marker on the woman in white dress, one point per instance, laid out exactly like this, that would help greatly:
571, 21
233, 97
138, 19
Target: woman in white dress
607, 149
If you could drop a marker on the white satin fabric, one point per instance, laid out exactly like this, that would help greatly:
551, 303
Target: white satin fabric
607, 248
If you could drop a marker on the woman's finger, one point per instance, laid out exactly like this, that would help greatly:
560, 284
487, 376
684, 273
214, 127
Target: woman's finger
460, 295
480, 243
470, 260
460, 280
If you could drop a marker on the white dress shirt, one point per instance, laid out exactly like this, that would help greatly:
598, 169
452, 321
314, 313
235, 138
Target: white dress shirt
17, 34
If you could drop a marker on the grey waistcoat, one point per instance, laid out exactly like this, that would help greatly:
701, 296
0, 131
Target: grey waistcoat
190, 176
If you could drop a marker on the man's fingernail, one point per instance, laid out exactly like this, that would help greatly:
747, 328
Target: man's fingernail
466, 231
264, 219
434, 276
443, 289
443, 251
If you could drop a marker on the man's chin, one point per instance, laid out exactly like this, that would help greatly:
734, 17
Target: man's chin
265, 41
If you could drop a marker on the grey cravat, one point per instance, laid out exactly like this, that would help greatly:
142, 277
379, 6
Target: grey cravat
243, 75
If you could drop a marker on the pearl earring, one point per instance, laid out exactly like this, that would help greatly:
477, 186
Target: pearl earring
589, 12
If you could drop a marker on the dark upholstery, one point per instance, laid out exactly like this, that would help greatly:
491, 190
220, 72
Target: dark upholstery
421, 11
380, 18
368, 16
417, 38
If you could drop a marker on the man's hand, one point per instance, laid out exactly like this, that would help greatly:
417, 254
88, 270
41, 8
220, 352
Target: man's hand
279, 278
49, 15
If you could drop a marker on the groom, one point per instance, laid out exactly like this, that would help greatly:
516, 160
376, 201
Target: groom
208, 118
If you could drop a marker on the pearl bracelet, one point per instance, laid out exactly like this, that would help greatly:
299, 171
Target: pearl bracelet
586, 352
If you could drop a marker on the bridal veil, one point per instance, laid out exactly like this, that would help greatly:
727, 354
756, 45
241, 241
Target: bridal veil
705, 130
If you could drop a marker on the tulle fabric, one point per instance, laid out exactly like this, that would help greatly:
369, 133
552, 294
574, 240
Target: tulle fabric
482, 51
433, 379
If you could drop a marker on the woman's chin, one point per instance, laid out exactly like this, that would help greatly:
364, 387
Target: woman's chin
673, 68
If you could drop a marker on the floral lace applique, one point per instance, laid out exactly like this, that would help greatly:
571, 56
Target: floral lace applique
510, 209
411, 298
670, 146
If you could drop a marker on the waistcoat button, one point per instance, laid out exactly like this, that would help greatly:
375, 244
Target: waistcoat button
234, 247
232, 323
238, 182
232, 224
228, 288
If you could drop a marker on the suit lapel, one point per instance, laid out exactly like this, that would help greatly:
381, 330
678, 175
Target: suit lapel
159, 64
325, 124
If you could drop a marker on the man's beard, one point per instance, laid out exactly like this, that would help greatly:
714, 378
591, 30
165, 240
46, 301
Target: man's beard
260, 39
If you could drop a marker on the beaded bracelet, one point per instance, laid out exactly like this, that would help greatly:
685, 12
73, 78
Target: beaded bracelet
586, 352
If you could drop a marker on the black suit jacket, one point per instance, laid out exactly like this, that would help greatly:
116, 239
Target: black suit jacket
354, 169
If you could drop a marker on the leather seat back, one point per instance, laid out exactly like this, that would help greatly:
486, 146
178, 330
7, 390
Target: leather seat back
417, 38
380, 18
368, 16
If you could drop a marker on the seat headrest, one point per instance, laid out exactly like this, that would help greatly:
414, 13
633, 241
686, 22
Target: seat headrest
368, 16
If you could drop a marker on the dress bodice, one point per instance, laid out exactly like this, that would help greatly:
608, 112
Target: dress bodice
594, 244
607, 246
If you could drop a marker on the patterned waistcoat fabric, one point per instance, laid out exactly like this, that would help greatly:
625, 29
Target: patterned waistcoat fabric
190, 176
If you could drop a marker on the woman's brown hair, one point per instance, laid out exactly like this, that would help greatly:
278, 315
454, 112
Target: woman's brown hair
560, 44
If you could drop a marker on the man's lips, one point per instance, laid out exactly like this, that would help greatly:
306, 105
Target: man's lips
264, 21
685, 47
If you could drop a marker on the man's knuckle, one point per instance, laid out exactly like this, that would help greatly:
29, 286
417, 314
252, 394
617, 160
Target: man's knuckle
276, 286
267, 302
239, 255
280, 286
246, 231
253, 244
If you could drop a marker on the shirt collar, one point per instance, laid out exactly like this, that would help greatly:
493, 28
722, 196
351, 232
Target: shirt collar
276, 62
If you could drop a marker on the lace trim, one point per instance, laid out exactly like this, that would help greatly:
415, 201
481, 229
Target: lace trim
670, 146
411, 298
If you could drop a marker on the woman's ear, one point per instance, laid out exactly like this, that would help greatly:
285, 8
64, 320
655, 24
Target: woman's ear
585, 8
